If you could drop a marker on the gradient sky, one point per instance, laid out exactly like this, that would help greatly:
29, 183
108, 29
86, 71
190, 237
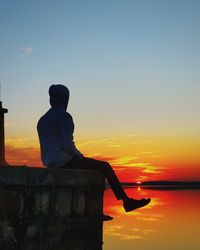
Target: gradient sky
132, 68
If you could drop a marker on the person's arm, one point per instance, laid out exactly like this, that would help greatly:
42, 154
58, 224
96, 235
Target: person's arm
65, 127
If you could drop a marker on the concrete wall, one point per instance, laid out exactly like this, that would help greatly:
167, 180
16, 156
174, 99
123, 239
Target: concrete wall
48, 209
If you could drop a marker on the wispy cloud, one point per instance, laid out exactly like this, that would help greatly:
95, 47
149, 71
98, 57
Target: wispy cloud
123, 232
26, 51
23, 156
128, 154
19, 142
129, 162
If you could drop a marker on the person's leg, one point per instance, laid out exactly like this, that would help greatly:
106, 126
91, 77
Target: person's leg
106, 170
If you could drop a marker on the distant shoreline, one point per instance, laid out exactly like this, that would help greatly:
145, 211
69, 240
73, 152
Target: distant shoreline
163, 185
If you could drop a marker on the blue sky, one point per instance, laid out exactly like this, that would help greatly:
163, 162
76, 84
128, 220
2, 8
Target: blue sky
131, 66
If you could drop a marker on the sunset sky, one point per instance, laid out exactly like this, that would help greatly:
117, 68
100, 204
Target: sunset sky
132, 68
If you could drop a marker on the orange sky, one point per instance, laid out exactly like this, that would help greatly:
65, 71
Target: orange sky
133, 157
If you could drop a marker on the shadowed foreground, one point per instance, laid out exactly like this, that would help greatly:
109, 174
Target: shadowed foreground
50, 209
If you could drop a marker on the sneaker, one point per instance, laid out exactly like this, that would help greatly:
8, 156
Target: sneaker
132, 204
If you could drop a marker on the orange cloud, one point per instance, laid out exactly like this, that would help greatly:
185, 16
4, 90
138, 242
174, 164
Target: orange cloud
133, 157
29, 156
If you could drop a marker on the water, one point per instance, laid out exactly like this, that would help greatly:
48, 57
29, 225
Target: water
170, 222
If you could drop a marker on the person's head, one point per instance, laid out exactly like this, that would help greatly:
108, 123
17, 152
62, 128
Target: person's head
59, 95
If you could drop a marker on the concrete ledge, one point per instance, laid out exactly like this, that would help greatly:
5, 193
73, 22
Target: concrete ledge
47, 209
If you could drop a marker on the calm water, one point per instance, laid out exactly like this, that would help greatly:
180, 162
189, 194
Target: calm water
170, 222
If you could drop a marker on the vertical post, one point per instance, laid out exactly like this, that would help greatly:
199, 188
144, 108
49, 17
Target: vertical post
2, 135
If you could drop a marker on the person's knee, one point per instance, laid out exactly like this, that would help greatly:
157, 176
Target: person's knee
105, 164
107, 167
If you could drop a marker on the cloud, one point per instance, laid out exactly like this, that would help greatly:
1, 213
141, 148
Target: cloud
122, 153
23, 156
123, 232
129, 162
26, 51
19, 142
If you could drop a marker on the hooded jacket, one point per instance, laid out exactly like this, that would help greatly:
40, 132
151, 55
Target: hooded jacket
55, 130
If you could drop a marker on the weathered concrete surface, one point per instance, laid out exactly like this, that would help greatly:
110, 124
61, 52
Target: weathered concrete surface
48, 209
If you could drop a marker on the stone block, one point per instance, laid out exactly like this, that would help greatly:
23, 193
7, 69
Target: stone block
41, 202
13, 175
63, 202
80, 202
11, 205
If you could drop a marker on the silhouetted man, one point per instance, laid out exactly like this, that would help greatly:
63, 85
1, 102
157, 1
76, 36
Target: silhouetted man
55, 130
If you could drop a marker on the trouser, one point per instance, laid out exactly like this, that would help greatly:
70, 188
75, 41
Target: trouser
103, 167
